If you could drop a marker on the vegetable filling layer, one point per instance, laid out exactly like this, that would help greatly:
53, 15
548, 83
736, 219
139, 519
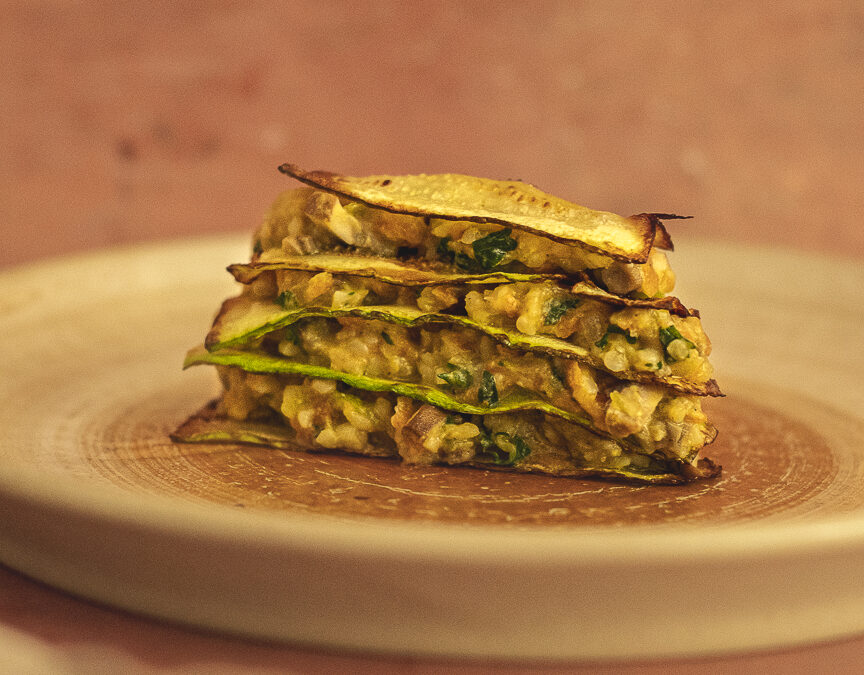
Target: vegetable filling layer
326, 415
621, 340
308, 221
475, 370
460, 320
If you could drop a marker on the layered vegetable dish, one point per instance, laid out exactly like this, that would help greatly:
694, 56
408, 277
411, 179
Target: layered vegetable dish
448, 319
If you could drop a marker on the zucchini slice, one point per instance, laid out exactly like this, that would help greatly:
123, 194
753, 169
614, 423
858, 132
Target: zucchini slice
505, 202
243, 319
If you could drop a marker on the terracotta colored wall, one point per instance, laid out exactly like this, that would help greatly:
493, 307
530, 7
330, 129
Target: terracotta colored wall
131, 121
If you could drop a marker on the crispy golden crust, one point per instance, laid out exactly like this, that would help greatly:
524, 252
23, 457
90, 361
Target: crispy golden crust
397, 272
508, 203
588, 289
661, 237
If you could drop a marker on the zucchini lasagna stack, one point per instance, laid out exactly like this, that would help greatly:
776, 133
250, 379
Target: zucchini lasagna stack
447, 319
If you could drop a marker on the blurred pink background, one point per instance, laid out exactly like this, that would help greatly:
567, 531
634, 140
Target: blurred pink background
137, 121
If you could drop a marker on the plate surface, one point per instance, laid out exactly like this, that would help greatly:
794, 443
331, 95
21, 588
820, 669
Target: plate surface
364, 553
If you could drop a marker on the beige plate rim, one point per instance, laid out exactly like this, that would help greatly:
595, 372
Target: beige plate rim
697, 554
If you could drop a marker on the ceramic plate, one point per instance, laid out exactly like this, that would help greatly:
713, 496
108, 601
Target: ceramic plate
364, 553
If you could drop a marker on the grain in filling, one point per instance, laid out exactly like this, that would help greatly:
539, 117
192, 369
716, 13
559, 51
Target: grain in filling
325, 415
618, 339
307, 221
474, 369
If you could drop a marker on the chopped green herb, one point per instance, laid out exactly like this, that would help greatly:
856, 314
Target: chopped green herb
491, 249
458, 379
387, 338
521, 447
488, 251
617, 330
443, 249
668, 335
291, 334
514, 446
257, 247
486, 444
558, 309
620, 331
659, 365
287, 300
557, 373
671, 333
461, 260
466, 262
488, 392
